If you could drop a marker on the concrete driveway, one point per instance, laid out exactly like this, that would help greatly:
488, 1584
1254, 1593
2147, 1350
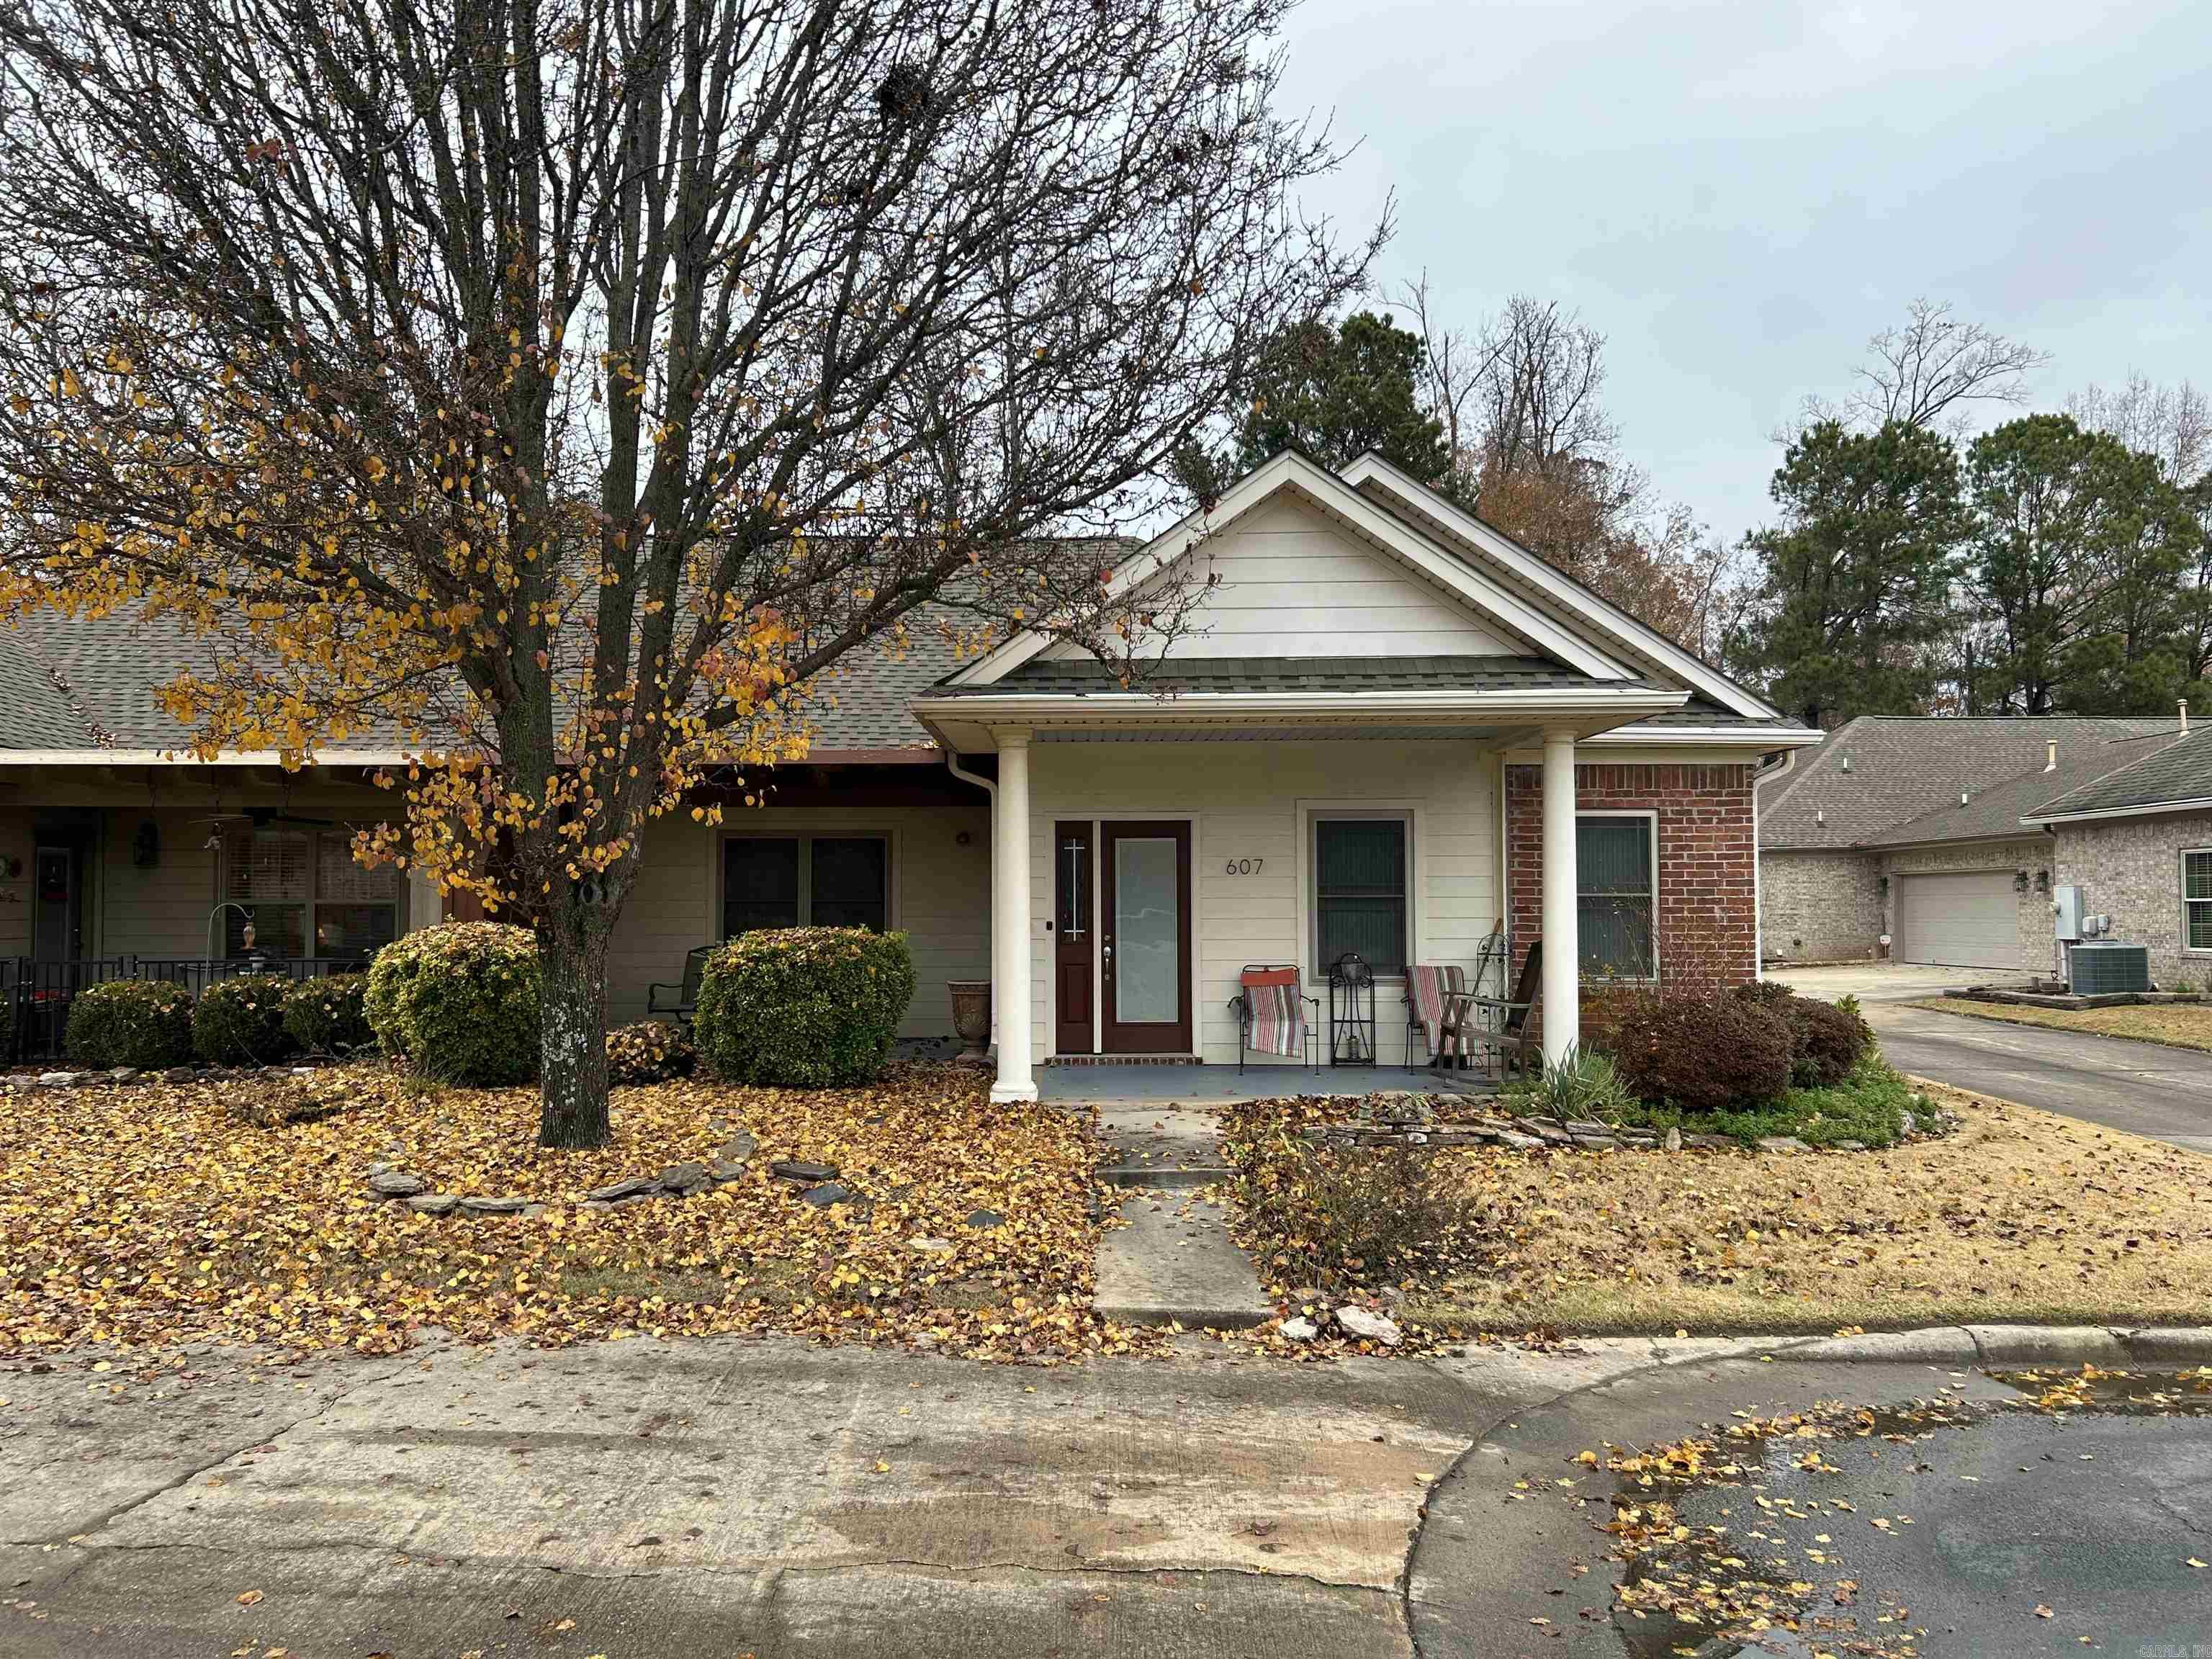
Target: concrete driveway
2142, 1088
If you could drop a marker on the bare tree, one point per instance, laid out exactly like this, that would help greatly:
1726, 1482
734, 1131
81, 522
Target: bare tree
1540, 391
568, 383
1923, 374
1456, 367
2172, 424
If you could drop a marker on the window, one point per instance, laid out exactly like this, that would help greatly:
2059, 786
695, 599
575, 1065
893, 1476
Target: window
1613, 867
289, 879
2196, 899
798, 881
1360, 891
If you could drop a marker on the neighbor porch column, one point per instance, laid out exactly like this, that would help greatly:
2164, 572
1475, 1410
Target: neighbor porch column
1011, 926
1560, 1010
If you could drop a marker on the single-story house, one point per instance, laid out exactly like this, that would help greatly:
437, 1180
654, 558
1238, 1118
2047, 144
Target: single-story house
1917, 837
2138, 842
1396, 732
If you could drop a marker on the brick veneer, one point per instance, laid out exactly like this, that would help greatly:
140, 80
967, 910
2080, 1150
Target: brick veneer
1706, 925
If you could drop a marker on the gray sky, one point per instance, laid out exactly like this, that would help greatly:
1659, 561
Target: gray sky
1738, 194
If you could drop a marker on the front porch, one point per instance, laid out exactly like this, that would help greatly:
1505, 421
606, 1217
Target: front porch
1192, 1083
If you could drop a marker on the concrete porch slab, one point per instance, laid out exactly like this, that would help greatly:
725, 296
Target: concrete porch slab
1095, 1085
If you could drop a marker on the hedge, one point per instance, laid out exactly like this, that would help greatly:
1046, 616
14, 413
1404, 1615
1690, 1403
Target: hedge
329, 1015
240, 1021
459, 1003
143, 1023
1707, 1053
803, 1007
1826, 1041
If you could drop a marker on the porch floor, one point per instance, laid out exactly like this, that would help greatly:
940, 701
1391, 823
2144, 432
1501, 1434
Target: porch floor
1199, 1083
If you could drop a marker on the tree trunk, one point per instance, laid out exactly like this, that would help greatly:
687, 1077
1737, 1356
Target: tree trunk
572, 954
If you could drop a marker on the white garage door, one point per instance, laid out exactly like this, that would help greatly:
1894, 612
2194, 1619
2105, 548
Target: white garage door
1967, 920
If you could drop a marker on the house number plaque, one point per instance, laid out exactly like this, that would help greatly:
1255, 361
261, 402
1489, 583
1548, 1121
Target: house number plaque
1243, 866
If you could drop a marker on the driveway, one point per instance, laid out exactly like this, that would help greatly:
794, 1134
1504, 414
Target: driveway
2142, 1088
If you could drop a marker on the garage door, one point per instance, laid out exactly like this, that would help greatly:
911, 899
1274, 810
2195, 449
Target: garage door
1967, 920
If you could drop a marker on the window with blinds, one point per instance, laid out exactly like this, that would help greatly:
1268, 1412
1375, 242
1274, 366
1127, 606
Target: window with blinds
1614, 864
307, 897
2196, 897
804, 881
1360, 898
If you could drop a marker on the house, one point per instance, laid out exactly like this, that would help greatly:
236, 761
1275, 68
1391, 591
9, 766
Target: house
2138, 840
1396, 732
1915, 835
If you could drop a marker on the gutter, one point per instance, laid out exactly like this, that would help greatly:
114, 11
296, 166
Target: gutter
952, 765
2151, 810
1782, 768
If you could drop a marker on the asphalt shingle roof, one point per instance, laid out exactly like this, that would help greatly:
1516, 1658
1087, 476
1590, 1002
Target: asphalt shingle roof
2179, 771
1906, 772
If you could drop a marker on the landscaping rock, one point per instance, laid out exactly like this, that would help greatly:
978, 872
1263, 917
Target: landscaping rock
726, 1170
1674, 1139
983, 1220
57, 1079
1520, 1142
1300, 1330
397, 1183
1359, 1322
796, 1169
683, 1178
629, 1186
493, 1206
123, 1074
1850, 1146
1708, 1143
740, 1147
931, 1246
178, 1074
827, 1194
1782, 1143
433, 1203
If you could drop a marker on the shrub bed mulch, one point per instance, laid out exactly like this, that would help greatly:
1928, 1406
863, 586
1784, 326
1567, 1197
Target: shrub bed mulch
156, 1214
2016, 1215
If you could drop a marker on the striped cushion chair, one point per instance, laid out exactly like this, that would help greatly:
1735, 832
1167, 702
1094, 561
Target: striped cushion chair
1271, 1014
1425, 989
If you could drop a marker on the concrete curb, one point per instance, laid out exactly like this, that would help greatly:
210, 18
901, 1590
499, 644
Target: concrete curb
2005, 1344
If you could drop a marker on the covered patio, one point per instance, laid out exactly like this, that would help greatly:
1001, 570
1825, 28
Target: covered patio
1197, 1085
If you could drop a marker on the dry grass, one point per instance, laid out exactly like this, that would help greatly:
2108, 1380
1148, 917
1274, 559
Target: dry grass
2021, 1216
2178, 1025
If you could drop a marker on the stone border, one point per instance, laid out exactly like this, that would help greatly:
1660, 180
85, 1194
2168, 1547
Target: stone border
729, 1164
124, 1076
1376, 1125
2068, 1002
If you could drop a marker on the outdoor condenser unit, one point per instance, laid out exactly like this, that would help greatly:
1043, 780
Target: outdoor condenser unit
2098, 967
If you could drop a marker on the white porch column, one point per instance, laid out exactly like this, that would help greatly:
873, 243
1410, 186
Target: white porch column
1011, 926
1560, 1009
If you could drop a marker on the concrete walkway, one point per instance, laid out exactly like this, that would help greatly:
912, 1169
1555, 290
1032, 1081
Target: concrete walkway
1171, 1259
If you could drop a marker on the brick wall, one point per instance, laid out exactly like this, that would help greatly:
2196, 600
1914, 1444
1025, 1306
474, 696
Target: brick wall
2029, 853
2131, 871
1706, 933
1818, 906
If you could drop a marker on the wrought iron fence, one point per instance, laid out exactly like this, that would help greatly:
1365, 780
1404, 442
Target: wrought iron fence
38, 994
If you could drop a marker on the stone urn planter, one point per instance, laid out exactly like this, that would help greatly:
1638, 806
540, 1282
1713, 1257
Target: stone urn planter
971, 1018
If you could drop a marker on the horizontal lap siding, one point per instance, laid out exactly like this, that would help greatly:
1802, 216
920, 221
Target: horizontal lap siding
1246, 798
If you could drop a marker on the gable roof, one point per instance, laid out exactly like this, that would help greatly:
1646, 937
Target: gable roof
1906, 772
2177, 776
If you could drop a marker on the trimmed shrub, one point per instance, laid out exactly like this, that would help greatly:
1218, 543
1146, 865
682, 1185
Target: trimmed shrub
803, 1007
650, 1051
130, 1022
240, 1021
1826, 1041
459, 1003
1708, 1054
330, 1015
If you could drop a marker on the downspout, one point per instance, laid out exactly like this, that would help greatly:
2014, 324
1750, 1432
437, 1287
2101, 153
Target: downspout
1769, 768
990, 788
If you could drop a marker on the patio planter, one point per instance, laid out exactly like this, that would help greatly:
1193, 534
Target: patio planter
971, 1018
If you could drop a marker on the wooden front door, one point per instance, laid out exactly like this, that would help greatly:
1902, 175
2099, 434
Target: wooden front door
1144, 947
1074, 939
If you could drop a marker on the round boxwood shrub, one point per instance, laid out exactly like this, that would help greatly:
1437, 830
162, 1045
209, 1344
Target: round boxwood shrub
1703, 1054
1826, 1041
650, 1051
240, 1021
459, 1003
143, 1023
803, 1007
330, 1015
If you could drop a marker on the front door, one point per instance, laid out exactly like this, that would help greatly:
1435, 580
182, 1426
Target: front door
54, 927
1145, 947
1074, 939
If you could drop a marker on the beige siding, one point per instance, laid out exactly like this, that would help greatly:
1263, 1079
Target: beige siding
161, 910
1252, 800
1291, 584
16, 842
941, 895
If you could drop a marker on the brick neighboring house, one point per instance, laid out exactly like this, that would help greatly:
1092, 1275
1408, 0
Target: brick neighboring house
2138, 842
1918, 830
1396, 730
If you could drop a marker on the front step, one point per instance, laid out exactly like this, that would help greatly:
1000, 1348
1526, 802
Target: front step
1140, 1173
1175, 1263
1155, 1146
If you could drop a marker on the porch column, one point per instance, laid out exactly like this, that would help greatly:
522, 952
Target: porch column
1560, 1011
1011, 926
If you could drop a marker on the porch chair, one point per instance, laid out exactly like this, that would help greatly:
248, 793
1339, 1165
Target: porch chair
1426, 987
1508, 1039
686, 1002
1271, 1014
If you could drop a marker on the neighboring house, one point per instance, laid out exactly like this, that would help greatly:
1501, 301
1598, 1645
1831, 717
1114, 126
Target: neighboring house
1911, 834
1396, 732
2138, 842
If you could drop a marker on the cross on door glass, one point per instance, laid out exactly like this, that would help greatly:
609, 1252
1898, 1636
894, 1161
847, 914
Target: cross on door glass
1071, 889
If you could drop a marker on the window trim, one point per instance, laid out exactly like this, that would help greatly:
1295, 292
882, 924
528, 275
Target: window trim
1650, 818
806, 836
1313, 815
2181, 881
308, 905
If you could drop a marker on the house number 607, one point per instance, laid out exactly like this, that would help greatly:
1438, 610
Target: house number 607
1243, 866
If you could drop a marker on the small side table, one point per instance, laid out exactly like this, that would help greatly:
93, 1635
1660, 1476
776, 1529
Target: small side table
1350, 1010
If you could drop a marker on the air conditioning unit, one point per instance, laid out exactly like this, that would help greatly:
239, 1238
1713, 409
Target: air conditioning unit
2101, 967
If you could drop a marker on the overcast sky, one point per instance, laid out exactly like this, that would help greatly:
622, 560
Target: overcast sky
1738, 194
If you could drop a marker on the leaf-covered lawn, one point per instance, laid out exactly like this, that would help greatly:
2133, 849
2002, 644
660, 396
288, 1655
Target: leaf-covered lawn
2178, 1024
2019, 1216
152, 1214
